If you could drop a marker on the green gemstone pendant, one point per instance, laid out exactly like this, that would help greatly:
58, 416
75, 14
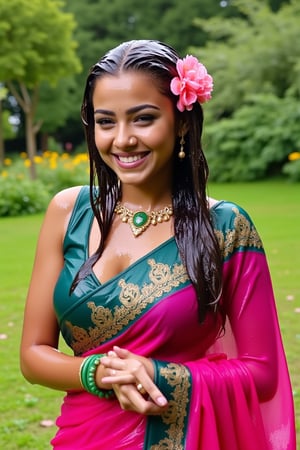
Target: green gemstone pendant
140, 219
139, 222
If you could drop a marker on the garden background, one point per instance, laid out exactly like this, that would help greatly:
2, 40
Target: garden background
251, 139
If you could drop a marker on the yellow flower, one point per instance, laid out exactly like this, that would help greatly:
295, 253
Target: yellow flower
4, 174
38, 159
27, 163
52, 163
294, 156
80, 158
7, 162
23, 155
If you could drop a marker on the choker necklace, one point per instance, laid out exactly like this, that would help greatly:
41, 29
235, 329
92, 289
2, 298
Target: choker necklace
139, 220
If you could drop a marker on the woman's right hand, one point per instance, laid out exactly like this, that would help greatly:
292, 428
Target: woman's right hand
127, 371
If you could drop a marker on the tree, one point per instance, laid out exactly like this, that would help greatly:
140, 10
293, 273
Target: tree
36, 46
254, 115
3, 94
103, 24
258, 52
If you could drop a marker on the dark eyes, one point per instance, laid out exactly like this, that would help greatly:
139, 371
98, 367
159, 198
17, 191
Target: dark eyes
104, 122
143, 119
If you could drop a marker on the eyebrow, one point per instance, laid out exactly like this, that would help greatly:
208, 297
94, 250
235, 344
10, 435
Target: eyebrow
133, 110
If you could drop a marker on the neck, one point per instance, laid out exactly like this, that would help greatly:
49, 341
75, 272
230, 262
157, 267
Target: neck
145, 200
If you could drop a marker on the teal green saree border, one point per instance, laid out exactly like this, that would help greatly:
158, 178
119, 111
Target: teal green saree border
168, 431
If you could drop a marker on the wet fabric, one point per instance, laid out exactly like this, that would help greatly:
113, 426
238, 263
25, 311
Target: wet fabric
226, 392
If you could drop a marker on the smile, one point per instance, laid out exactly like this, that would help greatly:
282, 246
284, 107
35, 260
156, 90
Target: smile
130, 159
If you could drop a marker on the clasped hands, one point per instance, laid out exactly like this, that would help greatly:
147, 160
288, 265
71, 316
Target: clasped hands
131, 378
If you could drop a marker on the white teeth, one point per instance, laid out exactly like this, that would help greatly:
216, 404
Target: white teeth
129, 159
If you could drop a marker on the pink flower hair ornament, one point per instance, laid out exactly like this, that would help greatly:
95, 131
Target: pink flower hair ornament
193, 83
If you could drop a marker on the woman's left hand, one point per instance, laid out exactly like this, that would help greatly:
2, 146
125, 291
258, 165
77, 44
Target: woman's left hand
131, 377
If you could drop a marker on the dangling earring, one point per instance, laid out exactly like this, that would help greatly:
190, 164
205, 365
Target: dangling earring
181, 154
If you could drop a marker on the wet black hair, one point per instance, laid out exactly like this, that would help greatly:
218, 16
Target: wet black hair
193, 228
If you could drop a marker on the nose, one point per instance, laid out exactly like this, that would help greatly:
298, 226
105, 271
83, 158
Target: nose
123, 138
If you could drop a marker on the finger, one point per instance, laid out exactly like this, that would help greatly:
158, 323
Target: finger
122, 352
112, 362
146, 386
130, 399
119, 378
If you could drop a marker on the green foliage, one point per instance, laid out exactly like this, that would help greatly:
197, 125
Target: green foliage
256, 53
8, 130
36, 41
37, 47
292, 170
22, 197
59, 172
255, 141
252, 121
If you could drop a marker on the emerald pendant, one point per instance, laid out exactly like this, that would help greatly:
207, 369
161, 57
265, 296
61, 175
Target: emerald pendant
140, 219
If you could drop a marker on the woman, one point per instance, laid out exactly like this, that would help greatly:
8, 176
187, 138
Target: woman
163, 294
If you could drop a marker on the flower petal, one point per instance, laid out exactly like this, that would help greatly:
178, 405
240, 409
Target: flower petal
192, 84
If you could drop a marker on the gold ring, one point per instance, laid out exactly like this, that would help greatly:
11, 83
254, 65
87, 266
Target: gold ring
141, 389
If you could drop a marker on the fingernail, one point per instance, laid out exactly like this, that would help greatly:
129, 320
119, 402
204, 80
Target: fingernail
104, 359
162, 401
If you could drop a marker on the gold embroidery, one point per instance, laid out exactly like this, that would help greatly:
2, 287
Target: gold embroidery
178, 377
243, 234
133, 300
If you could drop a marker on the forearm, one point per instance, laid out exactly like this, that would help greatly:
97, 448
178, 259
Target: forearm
44, 365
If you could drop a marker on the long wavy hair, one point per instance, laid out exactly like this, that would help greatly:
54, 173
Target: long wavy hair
193, 226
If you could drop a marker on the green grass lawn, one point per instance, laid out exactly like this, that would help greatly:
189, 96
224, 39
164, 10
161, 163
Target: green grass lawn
275, 209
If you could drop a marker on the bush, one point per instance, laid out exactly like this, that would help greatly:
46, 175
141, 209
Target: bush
292, 168
19, 195
22, 196
255, 142
59, 172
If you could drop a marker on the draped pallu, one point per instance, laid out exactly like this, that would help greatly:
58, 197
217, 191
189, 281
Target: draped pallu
227, 389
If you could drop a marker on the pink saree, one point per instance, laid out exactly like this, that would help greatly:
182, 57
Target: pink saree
225, 393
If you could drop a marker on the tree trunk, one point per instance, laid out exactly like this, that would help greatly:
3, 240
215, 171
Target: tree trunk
44, 142
28, 102
2, 149
30, 142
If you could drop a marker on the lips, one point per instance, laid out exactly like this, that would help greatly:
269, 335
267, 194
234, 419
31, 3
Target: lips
133, 160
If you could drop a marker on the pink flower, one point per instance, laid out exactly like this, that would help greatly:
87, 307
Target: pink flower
192, 84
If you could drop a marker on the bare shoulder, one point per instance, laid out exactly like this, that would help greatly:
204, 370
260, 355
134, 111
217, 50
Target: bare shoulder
60, 209
64, 200
212, 201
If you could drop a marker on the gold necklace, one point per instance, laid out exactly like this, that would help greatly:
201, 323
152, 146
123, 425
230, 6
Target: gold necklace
139, 220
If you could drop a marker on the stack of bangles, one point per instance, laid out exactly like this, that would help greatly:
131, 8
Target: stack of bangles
87, 374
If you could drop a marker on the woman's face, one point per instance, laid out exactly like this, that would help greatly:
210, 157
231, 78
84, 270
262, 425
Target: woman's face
134, 128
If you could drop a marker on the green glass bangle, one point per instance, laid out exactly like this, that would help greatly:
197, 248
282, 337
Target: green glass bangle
87, 377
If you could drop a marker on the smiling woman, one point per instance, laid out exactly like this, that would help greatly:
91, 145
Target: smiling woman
163, 294
136, 137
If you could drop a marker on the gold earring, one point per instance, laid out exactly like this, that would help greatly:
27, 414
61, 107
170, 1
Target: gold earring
181, 153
